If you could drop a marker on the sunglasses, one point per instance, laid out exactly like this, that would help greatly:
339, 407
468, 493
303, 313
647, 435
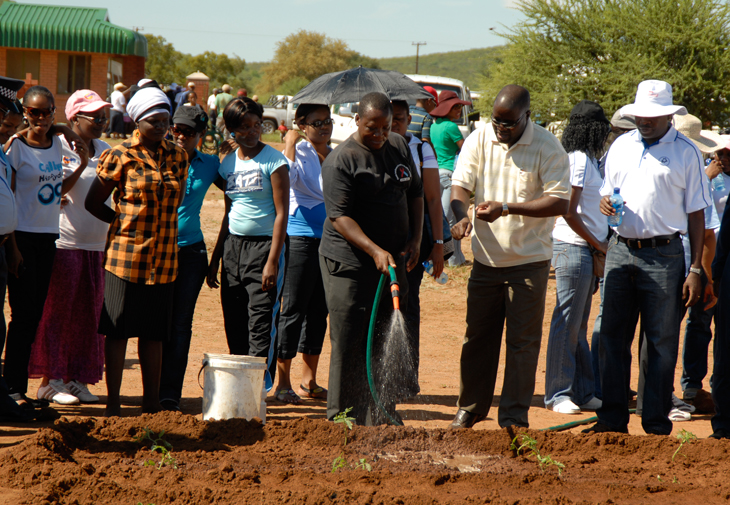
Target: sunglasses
319, 124
507, 125
97, 120
185, 132
38, 113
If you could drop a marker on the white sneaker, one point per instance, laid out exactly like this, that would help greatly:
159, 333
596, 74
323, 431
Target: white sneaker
593, 404
566, 407
81, 391
677, 416
680, 405
55, 391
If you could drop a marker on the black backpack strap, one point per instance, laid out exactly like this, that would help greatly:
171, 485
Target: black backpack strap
419, 148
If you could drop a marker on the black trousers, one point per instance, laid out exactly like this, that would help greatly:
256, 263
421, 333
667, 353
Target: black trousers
27, 296
250, 315
350, 293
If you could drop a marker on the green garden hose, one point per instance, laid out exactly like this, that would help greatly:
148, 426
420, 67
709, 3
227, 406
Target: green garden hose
371, 331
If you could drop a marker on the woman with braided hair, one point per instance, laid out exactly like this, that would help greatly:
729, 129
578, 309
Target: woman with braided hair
579, 240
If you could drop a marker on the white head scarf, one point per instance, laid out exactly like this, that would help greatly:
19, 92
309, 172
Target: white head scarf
146, 102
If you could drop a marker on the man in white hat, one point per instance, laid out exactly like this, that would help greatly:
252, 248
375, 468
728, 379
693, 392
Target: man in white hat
659, 173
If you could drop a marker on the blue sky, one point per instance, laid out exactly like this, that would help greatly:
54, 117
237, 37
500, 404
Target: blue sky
382, 28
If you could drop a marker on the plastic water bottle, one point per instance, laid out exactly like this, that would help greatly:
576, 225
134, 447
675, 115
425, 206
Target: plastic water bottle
718, 184
617, 202
441, 279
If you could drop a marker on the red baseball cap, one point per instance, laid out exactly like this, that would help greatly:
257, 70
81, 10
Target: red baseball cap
435, 93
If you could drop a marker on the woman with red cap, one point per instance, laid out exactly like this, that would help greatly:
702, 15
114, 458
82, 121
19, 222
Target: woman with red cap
447, 140
68, 352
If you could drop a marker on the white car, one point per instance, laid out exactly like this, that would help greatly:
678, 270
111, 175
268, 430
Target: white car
343, 115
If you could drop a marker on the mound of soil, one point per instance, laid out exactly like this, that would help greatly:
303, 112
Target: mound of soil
93, 461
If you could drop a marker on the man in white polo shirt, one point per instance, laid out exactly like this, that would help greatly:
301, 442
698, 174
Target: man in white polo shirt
660, 175
520, 176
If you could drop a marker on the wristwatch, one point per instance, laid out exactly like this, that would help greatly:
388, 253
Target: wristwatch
438, 241
505, 209
694, 270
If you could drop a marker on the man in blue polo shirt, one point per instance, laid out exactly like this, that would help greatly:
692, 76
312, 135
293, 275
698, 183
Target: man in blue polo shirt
660, 175
189, 124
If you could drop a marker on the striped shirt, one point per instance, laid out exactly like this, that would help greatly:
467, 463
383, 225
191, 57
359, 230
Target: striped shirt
534, 166
421, 121
141, 246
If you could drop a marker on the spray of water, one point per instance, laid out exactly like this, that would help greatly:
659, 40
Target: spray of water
395, 368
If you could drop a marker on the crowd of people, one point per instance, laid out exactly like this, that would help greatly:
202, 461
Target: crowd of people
101, 244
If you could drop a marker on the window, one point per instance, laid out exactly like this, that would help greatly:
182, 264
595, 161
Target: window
74, 72
114, 74
22, 63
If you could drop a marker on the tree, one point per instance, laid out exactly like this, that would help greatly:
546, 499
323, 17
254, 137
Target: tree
303, 56
569, 50
167, 65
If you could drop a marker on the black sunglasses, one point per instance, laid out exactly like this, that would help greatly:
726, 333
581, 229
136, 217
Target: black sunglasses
319, 124
35, 113
507, 125
97, 120
186, 132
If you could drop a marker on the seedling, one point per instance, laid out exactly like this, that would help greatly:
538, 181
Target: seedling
159, 445
685, 437
527, 443
340, 461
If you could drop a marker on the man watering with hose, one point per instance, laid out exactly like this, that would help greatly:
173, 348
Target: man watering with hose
373, 197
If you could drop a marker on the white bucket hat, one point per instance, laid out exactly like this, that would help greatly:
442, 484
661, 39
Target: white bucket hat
653, 99
707, 141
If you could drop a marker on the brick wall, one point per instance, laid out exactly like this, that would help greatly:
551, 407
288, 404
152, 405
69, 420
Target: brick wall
133, 69
3, 61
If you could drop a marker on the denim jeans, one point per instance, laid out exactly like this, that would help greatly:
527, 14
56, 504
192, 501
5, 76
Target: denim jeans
568, 371
595, 339
721, 354
445, 178
697, 338
303, 320
192, 269
413, 318
646, 282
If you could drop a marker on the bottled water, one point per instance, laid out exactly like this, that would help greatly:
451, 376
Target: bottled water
441, 279
718, 184
617, 202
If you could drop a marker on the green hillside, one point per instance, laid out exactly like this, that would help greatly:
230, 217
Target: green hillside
463, 65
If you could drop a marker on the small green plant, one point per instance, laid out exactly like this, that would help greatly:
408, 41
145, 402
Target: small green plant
685, 437
159, 445
527, 443
340, 461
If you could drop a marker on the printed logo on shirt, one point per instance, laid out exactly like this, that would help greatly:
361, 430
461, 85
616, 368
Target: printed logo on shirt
51, 166
245, 181
48, 193
402, 173
67, 160
664, 161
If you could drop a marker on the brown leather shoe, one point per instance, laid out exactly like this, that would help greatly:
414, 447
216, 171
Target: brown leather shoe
466, 419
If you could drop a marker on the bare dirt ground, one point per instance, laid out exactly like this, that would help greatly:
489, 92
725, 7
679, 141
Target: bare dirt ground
85, 459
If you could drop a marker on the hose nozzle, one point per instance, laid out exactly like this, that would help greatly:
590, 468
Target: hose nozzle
394, 288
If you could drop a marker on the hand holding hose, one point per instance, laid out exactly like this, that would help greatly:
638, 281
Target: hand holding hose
383, 260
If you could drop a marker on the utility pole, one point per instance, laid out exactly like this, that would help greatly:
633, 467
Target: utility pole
418, 46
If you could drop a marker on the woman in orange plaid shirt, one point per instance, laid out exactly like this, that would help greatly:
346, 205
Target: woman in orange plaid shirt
140, 260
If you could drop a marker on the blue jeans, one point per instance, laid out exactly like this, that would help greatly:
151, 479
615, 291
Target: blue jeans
595, 339
192, 269
445, 179
646, 282
697, 338
568, 372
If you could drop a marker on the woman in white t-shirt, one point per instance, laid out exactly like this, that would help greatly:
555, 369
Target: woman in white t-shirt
583, 232
38, 183
119, 108
68, 352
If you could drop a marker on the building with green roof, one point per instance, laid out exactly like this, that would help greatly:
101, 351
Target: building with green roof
68, 48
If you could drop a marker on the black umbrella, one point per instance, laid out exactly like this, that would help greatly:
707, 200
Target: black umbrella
351, 85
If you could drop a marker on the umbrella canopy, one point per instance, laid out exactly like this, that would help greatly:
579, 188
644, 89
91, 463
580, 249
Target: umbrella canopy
353, 84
